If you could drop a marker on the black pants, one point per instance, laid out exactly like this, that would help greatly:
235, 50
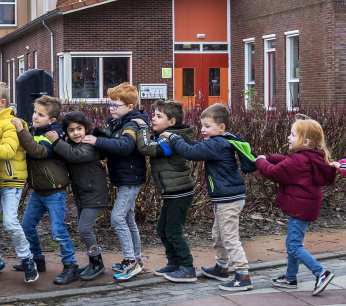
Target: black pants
170, 230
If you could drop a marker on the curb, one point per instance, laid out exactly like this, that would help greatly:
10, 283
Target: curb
35, 297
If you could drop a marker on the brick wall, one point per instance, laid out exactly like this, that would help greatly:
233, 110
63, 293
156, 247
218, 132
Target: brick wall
319, 41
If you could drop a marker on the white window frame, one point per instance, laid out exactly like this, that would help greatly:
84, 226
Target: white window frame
13, 80
21, 65
9, 73
15, 14
289, 80
266, 39
247, 47
200, 49
65, 65
35, 57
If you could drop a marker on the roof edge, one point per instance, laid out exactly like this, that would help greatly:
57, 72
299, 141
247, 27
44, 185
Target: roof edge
30, 25
80, 7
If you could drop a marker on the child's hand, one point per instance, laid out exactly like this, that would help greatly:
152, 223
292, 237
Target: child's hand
165, 134
89, 139
260, 156
335, 164
52, 136
18, 124
139, 121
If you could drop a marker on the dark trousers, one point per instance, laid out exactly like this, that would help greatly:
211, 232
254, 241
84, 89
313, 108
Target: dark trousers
170, 230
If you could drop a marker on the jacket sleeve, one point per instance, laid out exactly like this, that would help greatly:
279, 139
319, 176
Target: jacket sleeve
342, 168
80, 154
280, 173
153, 148
207, 150
33, 148
9, 142
275, 158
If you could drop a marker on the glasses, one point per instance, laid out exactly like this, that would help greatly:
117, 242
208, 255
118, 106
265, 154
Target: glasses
114, 105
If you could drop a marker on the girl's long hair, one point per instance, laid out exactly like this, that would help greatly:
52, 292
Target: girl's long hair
311, 130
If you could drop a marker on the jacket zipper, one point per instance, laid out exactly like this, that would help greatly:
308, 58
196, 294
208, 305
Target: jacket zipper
49, 176
211, 183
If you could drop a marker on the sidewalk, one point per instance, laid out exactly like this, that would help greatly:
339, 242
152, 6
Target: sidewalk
264, 254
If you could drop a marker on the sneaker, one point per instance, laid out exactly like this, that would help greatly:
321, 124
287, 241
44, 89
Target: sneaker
141, 263
182, 275
283, 282
68, 275
166, 269
2, 265
132, 269
241, 282
40, 265
119, 267
30, 270
216, 272
322, 281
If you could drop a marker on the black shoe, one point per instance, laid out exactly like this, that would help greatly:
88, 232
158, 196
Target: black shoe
283, 282
40, 265
166, 269
322, 281
30, 270
81, 269
68, 275
216, 272
95, 268
241, 282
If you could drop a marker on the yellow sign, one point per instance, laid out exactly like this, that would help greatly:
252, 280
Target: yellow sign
166, 73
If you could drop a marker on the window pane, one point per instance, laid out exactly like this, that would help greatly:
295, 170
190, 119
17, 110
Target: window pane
186, 47
85, 77
294, 94
272, 79
7, 14
215, 47
271, 44
294, 56
214, 81
188, 82
115, 72
251, 62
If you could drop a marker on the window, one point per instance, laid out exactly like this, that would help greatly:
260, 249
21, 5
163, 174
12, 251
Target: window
29, 61
84, 75
292, 69
188, 82
249, 67
193, 47
13, 80
21, 63
8, 12
35, 59
269, 71
214, 82
9, 74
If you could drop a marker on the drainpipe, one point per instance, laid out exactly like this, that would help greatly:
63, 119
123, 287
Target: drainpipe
51, 47
1, 67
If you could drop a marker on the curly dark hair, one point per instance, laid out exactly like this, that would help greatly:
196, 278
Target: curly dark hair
76, 117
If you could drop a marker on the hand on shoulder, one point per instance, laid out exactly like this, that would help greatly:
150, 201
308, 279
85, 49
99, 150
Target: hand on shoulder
138, 121
260, 156
18, 124
52, 136
165, 134
335, 164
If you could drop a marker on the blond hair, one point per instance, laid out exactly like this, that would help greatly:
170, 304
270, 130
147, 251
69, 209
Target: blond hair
311, 130
125, 93
52, 105
219, 113
5, 93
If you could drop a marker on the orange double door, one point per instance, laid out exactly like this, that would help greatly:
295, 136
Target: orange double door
201, 79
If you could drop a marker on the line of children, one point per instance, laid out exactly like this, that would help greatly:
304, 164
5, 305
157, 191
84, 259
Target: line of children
226, 189
300, 177
89, 184
13, 173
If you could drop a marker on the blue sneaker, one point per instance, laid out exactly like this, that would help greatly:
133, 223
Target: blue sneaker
182, 275
241, 282
131, 269
2, 265
166, 269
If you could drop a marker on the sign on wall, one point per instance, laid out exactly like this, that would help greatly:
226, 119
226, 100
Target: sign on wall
166, 73
153, 91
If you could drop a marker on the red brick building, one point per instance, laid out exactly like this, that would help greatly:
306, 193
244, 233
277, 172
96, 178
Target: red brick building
202, 51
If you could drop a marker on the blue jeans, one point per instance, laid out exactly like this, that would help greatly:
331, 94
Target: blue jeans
123, 221
37, 206
295, 251
9, 202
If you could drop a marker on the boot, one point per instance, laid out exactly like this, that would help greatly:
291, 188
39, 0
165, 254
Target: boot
40, 264
68, 275
81, 269
95, 268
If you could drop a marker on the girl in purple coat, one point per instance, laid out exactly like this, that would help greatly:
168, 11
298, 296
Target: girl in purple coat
300, 177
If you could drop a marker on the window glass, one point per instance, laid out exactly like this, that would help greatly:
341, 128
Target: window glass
271, 44
7, 12
251, 63
21, 66
85, 77
272, 79
214, 81
115, 72
188, 81
215, 47
294, 94
294, 57
187, 47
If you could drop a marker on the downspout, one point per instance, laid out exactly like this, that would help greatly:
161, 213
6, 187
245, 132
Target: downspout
1, 66
51, 47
